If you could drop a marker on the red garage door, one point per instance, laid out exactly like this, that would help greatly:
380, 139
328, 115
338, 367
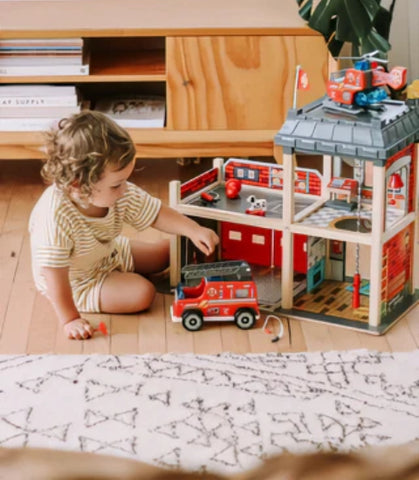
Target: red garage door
241, 242
300, 252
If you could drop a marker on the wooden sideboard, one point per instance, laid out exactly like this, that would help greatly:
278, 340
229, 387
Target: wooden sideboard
226, 68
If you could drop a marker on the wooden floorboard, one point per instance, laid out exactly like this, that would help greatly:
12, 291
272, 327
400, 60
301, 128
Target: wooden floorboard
152, 328
28, 323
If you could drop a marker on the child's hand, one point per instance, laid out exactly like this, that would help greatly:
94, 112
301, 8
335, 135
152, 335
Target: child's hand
78, 329
205, 239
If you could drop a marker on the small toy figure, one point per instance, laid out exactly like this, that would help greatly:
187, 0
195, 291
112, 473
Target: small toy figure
225, 292
258, 206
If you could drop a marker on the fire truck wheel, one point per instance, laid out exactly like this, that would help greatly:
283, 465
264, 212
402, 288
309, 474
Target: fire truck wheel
192, 320
245, 318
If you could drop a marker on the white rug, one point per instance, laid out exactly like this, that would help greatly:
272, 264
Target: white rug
219, 413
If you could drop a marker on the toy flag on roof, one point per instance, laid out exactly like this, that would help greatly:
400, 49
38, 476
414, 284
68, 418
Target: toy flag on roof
302, 81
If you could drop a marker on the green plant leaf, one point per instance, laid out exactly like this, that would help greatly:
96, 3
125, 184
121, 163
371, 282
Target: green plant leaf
382, 22
305, 8
334, 46
353, 21
363, 23
374, 41
371, 8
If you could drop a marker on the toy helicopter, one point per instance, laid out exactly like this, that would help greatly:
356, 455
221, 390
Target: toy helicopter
359, 86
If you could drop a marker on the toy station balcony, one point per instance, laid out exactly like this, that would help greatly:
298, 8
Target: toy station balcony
379, 145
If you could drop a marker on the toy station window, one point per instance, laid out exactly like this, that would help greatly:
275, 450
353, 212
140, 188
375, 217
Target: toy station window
338, 76
244, 173
234, 235
258, 239
241, 293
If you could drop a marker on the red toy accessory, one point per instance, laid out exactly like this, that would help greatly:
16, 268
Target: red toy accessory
355, 294
102, 328
302, 81
269, 331
260, 212
210, 197
233, 187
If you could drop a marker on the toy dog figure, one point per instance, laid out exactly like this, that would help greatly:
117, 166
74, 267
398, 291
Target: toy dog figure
258, 206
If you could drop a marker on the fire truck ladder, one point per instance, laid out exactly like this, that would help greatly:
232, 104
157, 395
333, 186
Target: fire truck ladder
238, 269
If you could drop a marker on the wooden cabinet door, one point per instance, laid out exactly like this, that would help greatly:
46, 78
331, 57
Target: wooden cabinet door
239, 82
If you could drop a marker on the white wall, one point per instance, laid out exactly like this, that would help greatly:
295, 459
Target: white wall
404, 36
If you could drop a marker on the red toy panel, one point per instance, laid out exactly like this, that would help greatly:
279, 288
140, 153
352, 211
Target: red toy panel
271, 176
249, 173
397, 263
307, 182
199, 182
300, 252
252, 244
410, 152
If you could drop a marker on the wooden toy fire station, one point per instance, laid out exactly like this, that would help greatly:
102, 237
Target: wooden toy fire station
341, 249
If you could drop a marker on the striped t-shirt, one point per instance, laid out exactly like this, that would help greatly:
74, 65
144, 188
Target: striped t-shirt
61, 236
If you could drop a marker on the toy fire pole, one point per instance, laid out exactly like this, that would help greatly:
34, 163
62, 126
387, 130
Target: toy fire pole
356, 282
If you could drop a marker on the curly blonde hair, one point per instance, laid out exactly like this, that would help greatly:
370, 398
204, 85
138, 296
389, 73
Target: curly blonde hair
80, 149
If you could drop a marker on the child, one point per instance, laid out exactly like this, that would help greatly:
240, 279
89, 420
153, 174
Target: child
80, 260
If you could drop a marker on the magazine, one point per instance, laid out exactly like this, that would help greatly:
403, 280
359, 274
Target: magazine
134, 111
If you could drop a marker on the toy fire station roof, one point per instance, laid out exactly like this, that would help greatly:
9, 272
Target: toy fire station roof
371, 134
228, 270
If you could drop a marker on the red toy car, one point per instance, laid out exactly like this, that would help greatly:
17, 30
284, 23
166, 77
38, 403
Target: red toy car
221, 291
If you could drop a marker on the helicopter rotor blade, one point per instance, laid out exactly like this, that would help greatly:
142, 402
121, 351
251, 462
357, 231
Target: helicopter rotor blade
366, 56
370, 54
378, 60
347, 58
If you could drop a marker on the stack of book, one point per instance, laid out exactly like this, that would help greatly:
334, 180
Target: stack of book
133, 110
36, 107
42, 57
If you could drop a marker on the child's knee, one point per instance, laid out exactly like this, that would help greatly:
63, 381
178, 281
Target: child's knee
144, 296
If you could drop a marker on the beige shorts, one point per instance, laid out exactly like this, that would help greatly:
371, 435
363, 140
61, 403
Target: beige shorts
86, 295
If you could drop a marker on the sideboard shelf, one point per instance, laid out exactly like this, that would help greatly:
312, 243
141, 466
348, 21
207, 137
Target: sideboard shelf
226, 68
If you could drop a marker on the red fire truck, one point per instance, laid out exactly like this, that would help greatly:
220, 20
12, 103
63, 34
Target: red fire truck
220, 291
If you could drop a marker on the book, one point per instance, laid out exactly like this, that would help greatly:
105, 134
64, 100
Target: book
35, 60
27, 101
41, 43
38, 95
54, 111
43, 70
134, 111
36, 90
27, 124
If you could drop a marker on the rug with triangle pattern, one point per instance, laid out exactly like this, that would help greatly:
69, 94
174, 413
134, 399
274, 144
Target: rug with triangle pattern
221, 413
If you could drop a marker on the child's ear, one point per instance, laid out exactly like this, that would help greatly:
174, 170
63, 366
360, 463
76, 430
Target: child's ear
74, 189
